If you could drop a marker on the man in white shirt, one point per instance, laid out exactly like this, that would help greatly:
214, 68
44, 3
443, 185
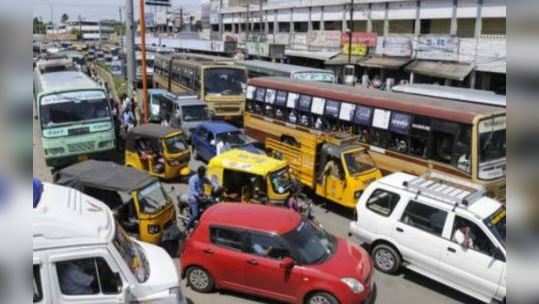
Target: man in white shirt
463, 237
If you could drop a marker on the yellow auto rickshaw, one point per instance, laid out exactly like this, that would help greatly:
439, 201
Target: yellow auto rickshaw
246, 177
138, 200
161, 151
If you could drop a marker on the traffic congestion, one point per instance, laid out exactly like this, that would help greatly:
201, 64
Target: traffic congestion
269, 181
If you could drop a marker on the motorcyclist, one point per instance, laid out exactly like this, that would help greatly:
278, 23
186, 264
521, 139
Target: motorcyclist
195, 194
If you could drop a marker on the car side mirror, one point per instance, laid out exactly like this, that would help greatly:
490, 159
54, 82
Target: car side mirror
498, 254
129, 295
287, 263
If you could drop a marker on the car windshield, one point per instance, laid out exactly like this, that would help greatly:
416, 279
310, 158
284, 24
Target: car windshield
175, 144
280, 180
132, 253
311, 243
224, 81
153, 198
492, 148
233, 138
496, 224
358, 161
195, 113
72, 111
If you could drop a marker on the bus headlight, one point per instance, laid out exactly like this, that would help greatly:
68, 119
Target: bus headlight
153, 229
354, 285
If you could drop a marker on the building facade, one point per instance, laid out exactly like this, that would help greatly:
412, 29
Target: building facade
89, 30
456, 42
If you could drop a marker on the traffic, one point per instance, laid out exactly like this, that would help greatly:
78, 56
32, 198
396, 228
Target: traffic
224, 179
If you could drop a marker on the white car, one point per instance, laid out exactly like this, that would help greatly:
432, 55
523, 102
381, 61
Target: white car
81, 255
441, 227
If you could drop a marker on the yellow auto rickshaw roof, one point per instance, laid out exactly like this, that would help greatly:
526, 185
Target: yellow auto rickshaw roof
240, 160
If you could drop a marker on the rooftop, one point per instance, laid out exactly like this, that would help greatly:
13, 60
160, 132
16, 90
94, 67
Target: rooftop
253, 217
67, 217
245, 161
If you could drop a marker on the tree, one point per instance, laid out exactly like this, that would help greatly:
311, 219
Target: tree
38, 26
64, 18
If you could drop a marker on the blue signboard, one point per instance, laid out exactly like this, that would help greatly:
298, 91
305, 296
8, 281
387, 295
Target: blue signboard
400, 123
281, 98
332, 108
363, 115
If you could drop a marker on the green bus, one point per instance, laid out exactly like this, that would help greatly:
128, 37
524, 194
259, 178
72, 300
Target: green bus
75, 118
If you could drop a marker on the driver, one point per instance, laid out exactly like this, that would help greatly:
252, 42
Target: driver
195, 193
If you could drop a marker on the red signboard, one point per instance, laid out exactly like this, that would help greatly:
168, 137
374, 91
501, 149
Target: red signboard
367, 39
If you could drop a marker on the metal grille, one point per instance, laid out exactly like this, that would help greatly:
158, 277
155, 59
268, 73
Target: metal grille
81, 147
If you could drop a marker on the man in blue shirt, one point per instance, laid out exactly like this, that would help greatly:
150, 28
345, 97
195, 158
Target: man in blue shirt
195, 192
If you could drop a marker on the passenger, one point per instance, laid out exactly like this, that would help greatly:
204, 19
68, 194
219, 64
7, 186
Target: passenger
318, 123
74, 280
304, 120
279, 114
292, 117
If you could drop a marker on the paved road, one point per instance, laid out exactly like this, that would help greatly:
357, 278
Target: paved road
407, 287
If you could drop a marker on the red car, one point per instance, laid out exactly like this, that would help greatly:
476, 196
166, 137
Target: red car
275, 253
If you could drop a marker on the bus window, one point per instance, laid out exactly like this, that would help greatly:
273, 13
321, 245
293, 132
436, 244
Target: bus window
379, 137
463, 149
399, 127
443, 140
420, 137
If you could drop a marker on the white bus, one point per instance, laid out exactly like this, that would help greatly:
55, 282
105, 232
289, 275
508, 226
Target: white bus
259, 68
75, 118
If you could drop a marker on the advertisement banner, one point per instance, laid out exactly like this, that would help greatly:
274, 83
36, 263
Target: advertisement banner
400, 123
395, 46
363, 115
437, 47
360, 43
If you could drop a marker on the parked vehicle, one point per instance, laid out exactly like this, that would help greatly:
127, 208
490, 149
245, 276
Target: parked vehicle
161, 151
246, 176
190, 113
442, 227
207, 136
272, 252
138, 200
81, 255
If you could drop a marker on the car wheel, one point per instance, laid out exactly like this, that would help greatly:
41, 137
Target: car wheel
322, 298
199, 279
386, 258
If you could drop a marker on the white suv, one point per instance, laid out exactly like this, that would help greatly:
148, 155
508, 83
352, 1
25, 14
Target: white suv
443, 228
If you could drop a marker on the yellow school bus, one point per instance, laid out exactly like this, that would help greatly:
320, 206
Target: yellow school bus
214, 79
401, 132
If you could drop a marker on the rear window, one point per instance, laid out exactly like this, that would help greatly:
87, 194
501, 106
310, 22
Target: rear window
382, 202
229, 238
423, 217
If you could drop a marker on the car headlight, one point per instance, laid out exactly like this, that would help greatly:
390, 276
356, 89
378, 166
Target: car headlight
354, 285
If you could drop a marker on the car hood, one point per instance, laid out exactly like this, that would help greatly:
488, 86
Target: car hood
349, 260
163, 272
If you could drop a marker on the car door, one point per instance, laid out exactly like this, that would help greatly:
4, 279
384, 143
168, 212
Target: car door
478, 269
262, 268
418, 236
225, 256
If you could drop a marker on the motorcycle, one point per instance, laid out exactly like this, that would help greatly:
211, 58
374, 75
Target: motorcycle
184, 214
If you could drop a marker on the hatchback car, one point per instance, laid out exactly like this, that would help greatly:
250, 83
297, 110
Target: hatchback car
209, 135
273, 252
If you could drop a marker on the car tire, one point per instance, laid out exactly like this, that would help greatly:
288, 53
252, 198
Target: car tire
386, 258
321, 298
199, 279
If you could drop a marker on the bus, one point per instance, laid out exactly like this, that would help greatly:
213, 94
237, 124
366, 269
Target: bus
75, 118
402, 132
214, 79
454, 93
150, 66
259, 68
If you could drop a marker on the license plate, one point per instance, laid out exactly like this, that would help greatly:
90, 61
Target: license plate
83, 157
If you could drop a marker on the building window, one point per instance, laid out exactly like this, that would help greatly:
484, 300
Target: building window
466, 27
316, 25
301, 27
215, 27
284, 27
378, 27
401, 26
435, 26
332, 25
493, 26
228, 27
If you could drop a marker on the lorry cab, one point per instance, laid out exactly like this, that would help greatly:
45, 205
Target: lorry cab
246, 176
138, 200
81, 255
440, 226
160, 151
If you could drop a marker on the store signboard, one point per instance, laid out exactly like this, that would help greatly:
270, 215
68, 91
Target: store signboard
437, 47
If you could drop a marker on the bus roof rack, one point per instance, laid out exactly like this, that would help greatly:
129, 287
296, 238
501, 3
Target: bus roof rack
455, 191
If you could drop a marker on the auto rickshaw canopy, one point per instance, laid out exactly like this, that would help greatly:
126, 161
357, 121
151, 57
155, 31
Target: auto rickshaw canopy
248, 162
153, 132
104, 175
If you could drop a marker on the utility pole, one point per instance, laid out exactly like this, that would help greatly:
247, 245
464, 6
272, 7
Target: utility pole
143, 53
130, 48
99, 33
350, 30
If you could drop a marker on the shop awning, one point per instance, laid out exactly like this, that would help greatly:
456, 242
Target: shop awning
447, 70
392, 63
317, 55
342, 59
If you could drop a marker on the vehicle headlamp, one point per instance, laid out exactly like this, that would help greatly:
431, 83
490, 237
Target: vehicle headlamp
354, 285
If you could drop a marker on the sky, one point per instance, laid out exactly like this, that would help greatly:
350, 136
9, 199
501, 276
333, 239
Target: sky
93, 9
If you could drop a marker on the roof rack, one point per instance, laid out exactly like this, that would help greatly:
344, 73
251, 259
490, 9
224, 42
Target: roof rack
445, 188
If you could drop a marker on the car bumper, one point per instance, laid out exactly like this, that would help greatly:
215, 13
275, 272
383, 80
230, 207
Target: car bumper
372, 296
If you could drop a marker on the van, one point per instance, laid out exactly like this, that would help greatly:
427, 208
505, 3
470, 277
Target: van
81, 255
441, 227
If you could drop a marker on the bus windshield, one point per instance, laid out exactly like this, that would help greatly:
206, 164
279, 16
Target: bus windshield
73, 110
492, 148
224, 81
